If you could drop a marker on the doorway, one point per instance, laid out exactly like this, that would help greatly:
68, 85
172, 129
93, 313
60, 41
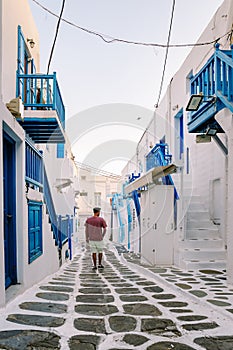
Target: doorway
9, 196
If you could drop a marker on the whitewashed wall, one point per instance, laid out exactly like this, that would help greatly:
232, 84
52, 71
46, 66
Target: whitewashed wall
207, 162
12, 14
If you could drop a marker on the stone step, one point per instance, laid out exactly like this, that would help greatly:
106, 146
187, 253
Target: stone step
192, 206
215, 243
200, 224
200, 265
202, 233
198, 215
202, 255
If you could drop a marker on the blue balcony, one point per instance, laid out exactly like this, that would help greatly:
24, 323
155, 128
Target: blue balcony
44, 112
215, 79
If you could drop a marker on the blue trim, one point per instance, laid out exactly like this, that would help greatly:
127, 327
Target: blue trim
130, 220
60, 150
9, 197
179, 131
138, 212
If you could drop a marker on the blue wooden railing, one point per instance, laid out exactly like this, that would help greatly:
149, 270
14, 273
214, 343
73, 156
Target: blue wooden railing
33, 166
158, 156
51, 209
117, 204
41, 92
62, 226
215, 79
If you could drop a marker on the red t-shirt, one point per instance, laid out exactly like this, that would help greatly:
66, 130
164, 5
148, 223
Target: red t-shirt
94, 227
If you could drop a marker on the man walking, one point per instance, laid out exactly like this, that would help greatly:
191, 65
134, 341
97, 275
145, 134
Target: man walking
95, 231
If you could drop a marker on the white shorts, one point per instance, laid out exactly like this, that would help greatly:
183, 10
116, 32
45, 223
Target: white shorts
96, 246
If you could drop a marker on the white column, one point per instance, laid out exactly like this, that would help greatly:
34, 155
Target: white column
225, 119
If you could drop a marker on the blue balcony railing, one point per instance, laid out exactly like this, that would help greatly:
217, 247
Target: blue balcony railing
158, 156
41, 92
65, 228
215, 79
34, 166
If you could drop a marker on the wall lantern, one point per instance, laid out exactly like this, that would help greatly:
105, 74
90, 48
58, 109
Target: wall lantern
211, 131
196, 100
31, 42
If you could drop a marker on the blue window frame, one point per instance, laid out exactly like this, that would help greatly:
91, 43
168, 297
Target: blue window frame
60, 150
34, 230
179, 134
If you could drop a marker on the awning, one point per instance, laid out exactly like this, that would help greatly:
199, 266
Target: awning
150, 177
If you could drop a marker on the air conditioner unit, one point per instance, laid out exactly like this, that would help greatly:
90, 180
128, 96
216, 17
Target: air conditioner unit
16, 108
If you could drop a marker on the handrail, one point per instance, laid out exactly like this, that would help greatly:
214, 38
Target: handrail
116, 205
41, 92
62, 226
51, 208
33, 165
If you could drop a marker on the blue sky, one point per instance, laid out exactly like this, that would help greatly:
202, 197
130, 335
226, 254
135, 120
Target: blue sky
92, 73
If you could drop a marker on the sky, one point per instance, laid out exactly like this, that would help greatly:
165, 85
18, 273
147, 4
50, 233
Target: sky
109, 90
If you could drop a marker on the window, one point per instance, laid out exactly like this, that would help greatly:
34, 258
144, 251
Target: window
60, 150
97, 199
83, 194
34, 230
83, 177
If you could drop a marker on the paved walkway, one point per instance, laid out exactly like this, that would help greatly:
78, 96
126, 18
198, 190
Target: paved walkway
124, 306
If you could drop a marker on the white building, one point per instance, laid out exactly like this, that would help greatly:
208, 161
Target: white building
202, 236
37, 196
96, 189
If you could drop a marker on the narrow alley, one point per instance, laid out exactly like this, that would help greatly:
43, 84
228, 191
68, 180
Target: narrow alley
124, 306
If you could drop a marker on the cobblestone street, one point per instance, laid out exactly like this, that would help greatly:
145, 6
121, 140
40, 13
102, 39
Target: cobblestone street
123, 306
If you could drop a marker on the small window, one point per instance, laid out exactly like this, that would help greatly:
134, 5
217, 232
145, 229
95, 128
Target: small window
83, 194
83, 177
34, 230
97, 199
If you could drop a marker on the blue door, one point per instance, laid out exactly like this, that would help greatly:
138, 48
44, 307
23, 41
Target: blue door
9, 210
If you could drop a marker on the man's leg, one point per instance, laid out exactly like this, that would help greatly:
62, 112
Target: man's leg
100, 258
94, 259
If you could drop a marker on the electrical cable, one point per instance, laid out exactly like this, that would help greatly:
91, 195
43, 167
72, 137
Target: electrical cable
55, 37
109, 39
166, 54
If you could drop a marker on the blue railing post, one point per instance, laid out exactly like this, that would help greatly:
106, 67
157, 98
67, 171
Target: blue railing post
59, 232
69, 236
54, 91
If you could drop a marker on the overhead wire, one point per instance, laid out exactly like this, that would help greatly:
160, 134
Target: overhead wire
109, 39
166, 54
56, 33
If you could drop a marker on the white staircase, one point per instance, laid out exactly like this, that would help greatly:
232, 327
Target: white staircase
202, 248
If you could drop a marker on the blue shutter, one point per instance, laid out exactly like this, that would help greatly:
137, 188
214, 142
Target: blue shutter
34, 230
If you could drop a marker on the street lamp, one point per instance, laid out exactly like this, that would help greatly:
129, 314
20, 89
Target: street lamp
196, 100
194, 103
211, 131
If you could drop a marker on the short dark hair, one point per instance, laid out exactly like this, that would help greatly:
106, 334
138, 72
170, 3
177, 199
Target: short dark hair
96, 210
